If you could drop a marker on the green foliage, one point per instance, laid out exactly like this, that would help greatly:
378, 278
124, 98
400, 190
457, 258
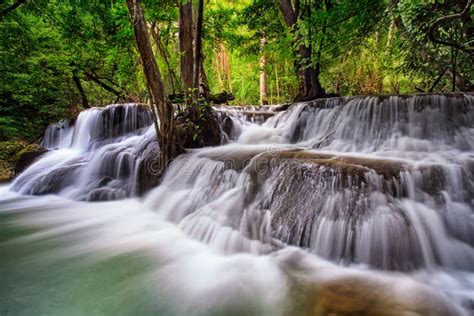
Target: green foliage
362, 47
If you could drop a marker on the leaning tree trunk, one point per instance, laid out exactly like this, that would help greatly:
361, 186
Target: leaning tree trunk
77, 82
186, 48
162, 108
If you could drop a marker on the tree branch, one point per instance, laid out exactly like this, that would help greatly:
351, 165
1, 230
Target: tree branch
105, 86
15, 5
437, 23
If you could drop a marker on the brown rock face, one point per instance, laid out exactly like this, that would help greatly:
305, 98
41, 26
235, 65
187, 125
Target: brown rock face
357, 296
27, 156
355, 166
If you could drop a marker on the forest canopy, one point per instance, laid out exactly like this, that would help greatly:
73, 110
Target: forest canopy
60, 56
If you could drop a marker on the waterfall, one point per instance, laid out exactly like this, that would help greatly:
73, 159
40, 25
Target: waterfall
96, 159
373, 183
57, 135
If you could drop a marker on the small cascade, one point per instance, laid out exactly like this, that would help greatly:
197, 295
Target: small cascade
57, 135
393, 124
97, 126
97, 159
234, 119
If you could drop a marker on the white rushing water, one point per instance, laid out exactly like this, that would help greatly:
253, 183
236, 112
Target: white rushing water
345, 204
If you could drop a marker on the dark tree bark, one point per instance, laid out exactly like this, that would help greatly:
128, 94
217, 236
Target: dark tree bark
77, 82
9, 9
186, 48
309, 84
197, 52
162, 108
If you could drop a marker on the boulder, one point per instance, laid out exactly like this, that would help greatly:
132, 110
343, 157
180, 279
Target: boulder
27, 156
356, 295
8, 155
6, 170
149, 171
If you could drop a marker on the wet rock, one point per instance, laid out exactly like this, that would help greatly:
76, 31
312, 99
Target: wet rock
122, 119
105, 194
323, 201
227, 125
54, 181
222, 98
348, 165
207, 131
358, 296
8, 156
257, 116
27, 156
282, 107
6, 170
149, 172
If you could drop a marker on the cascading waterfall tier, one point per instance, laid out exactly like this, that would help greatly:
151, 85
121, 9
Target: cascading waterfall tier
387, 181
391, 124
96, 159
382, 182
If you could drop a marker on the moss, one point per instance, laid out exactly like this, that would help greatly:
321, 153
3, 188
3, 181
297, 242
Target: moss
8, 156
15, 156
9, 149
27, 156
30, 148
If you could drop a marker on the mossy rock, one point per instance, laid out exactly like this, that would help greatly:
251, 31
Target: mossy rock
27, 156
6, 171
8, 156
357, 296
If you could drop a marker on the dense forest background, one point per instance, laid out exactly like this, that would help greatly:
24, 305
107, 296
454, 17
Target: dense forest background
59, 56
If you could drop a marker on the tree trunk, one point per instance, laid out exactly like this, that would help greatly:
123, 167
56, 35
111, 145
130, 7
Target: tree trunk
204, 83
77, 82
309, 85
263, 74
186, 48
162, 108
197, 52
